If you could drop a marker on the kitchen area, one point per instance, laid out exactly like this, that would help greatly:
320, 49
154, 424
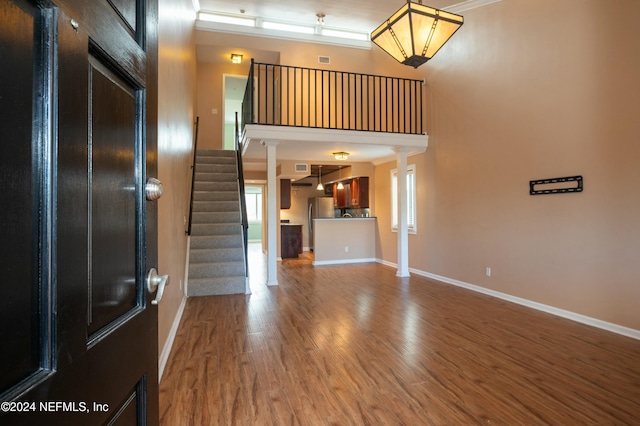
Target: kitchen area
329, 214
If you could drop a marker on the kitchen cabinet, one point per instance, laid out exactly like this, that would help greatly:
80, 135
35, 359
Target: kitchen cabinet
355, 193
285, 193
290, 241
359, 192
341, 196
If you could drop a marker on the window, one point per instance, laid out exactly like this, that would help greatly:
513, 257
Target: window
411, 199
254, 207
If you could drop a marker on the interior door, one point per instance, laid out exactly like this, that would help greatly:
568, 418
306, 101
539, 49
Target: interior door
78, 96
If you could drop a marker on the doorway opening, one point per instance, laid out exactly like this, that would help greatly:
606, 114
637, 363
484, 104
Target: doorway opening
233, 88
255, 210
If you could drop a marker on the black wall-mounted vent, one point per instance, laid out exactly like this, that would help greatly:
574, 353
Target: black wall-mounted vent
559, 185
324, 60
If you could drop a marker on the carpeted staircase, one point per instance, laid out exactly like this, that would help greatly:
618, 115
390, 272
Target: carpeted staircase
216, 257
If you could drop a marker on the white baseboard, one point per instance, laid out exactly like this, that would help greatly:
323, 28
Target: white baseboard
166, 350
342, 261
604, 325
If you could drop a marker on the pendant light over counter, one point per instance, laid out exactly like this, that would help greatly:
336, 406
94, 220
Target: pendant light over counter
415, 33
320, 187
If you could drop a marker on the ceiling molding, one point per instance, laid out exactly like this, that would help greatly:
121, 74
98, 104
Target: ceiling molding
281, 35
468, 5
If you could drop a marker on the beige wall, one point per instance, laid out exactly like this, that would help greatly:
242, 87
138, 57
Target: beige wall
533, 89
373, 61
176, 106
210, 96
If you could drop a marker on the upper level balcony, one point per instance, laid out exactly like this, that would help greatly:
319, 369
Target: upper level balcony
310, 107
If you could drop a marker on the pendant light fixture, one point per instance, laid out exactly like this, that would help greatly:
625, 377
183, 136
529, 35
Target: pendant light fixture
340, 185
320, 187
415, 33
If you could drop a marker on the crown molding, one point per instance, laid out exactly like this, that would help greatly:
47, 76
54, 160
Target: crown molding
468, 5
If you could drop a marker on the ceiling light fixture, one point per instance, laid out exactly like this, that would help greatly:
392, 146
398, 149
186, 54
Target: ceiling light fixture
341, 155
415, 33
320, 20
236, 58
320, 187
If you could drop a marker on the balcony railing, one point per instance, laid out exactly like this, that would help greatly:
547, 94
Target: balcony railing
283, 95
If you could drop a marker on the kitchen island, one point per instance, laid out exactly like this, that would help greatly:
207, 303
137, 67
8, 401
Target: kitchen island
344, 240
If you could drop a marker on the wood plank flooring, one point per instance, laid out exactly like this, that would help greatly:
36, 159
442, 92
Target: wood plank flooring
355, 345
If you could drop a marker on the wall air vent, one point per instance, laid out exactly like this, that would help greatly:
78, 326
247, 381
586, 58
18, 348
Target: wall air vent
302, 168
324, 60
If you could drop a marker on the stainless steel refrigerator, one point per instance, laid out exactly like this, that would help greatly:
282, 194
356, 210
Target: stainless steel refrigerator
318, 207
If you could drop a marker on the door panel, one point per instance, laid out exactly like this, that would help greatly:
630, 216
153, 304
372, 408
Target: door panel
18, 255
127, 9
112, 290
77, 328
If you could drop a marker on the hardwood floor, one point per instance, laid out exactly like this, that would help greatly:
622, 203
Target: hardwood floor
355, 345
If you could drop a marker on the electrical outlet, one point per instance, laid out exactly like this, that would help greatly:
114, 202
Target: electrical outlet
488, 271
346, 249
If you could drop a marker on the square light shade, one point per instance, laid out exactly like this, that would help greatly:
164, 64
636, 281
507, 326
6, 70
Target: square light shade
236, 58
415, 33
341, 155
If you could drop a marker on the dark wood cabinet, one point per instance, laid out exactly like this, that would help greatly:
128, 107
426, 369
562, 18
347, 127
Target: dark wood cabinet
360, 192
290, 241
355, 193
341, 196
285, 193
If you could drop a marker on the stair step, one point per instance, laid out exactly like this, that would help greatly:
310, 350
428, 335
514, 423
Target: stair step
215, 217
216, 186
215, 153
216, 269
207, 229
216, 241
215, 206
215, 286
217, 160
215, 177
216, 196
216, 168
216, 255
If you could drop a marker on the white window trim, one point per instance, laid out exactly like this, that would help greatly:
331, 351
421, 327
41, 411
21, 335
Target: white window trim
412, 229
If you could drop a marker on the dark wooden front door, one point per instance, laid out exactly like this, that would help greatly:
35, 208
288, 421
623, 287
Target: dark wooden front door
78, 95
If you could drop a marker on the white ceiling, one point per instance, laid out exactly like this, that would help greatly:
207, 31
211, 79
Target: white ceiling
354, 15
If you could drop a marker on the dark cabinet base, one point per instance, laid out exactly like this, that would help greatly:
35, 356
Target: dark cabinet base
290, 241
